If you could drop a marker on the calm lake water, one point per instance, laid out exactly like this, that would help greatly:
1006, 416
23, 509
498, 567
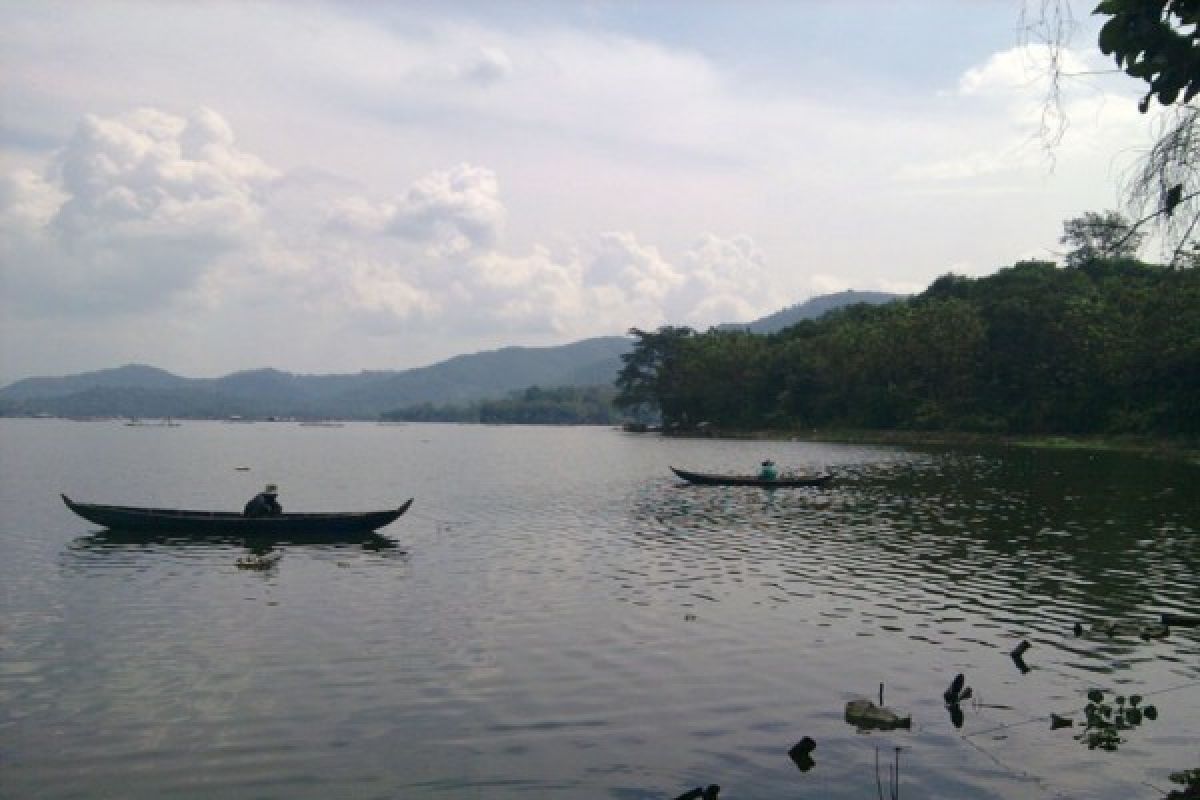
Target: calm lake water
560, 618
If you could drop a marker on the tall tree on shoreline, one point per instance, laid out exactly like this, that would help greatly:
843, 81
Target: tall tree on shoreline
1099, 236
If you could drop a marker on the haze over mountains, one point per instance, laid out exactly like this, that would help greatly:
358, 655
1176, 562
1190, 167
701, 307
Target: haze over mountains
144, 391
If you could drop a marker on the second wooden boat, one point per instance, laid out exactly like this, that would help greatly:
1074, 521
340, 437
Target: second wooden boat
781, 482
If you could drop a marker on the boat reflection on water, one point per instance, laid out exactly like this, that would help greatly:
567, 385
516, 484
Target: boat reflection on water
142, 549
120, 540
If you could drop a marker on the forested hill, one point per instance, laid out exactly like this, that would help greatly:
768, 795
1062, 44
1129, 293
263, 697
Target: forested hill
812, 309
1104, 346
141, 391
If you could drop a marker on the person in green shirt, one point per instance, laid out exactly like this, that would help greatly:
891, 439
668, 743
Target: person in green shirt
767, 471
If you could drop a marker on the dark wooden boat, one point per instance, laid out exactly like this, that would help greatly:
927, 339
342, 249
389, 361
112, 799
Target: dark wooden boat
782, 482
323, 525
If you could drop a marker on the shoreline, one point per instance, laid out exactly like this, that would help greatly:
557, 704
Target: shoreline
1181, 449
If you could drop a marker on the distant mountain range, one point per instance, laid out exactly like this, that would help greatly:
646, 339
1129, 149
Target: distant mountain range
143, 391
811, 309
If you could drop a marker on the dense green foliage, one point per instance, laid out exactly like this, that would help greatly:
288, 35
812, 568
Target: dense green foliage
1108, 346
1157, 41
568, 405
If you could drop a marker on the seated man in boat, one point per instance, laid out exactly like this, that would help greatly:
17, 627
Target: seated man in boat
264, 503
767, 471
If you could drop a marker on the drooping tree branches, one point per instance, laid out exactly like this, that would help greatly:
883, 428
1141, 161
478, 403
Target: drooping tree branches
1050, 26
1158, 42
1166, 185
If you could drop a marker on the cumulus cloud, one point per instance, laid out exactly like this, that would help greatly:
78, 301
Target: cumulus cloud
619, 259
27, 201
1022, 70
451, 211
133, 209
726, 281
152, 174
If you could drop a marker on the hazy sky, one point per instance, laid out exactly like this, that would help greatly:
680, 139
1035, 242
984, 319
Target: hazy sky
330, 187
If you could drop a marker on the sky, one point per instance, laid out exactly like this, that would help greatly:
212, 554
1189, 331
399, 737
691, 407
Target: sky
329, 187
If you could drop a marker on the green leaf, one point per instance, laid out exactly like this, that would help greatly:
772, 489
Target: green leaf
1111, 37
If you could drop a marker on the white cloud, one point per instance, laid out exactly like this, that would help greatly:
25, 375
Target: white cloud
459, 209
451, 212
148, 173
133, 210
1022, 71
726, 281
617, 258
27, 201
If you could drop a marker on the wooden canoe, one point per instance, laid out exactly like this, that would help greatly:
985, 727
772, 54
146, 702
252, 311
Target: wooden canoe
782, 482
224, 523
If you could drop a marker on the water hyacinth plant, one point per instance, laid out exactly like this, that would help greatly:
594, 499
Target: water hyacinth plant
1106, 721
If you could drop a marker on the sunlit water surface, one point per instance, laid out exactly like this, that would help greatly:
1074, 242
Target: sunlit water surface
559, 618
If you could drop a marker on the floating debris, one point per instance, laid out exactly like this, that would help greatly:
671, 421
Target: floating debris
958, 690
867, 715
1017, 655
259, 562
709, 793
1057, 721
1180, 620
1154, 632
801, 754
1144, 631
956, 693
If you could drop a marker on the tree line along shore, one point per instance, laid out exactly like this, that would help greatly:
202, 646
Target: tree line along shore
1102, 350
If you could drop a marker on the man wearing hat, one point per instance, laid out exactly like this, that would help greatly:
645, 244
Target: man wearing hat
264, 503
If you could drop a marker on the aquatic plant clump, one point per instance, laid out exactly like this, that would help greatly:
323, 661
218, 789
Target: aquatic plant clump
1105, 721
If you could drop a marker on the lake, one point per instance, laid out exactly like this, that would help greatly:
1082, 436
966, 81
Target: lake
560, 618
